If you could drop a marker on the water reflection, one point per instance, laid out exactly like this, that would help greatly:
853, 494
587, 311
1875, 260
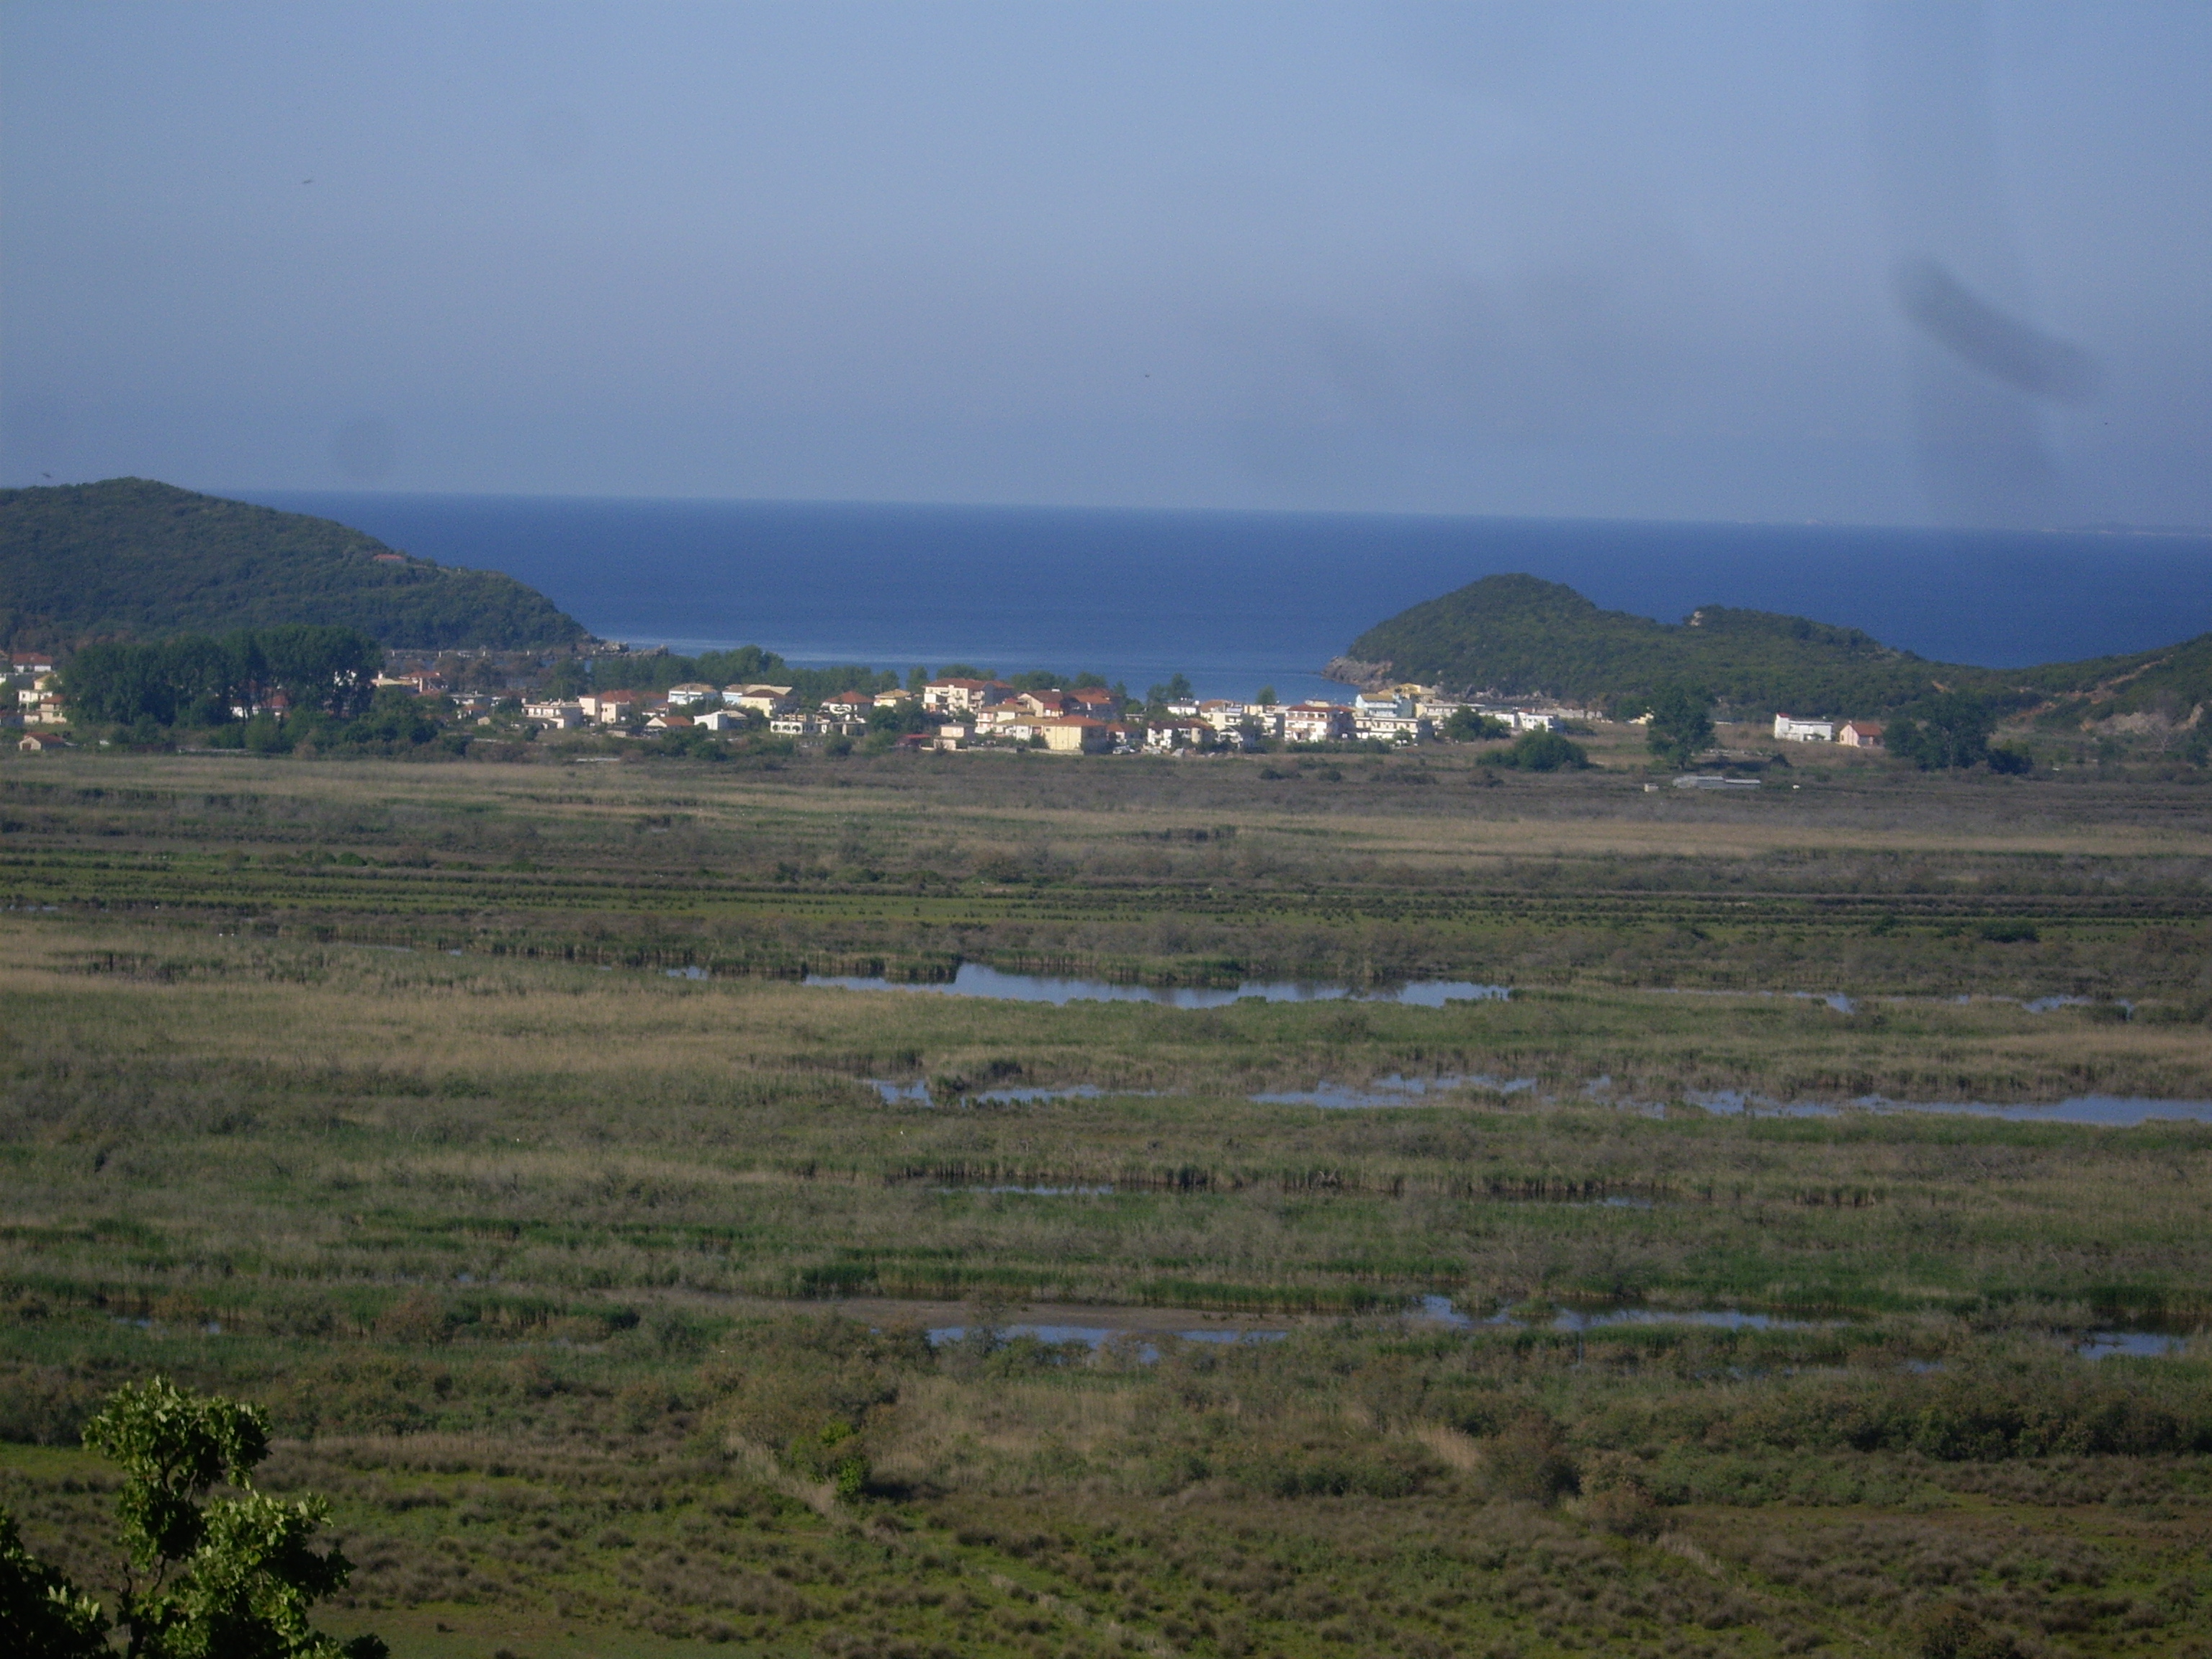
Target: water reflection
1097, 1336
1443, 1310
2138, 1345
1392, 1091
2113, 1111
974, 980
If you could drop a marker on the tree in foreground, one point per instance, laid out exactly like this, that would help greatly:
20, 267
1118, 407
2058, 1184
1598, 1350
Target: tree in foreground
227, 1578
42, 1615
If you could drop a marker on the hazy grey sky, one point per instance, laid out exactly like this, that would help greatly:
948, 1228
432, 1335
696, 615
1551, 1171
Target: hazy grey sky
1785, 261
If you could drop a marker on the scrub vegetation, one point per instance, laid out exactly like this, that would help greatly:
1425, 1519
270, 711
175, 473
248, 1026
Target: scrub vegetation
1520, 635
473, 1121
133, 558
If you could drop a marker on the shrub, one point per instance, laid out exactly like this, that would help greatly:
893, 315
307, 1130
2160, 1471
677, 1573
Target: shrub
1540, 752
1528, 1460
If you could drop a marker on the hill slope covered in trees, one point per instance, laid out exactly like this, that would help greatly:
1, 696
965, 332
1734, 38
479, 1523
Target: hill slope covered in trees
133, 558
1519, 634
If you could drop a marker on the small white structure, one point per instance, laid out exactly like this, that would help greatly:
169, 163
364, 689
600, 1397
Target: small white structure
1860, 734
720, 719
562, 716
683, 696
1790, 730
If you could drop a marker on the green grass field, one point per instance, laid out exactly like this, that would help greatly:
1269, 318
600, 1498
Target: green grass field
595, 1298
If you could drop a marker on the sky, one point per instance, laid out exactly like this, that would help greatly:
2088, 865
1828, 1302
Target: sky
1941, 262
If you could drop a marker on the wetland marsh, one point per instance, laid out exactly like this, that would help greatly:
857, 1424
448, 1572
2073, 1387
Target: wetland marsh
600, 1297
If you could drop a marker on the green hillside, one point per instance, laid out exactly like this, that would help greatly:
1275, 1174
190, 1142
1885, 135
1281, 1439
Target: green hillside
133, 558
1520, 635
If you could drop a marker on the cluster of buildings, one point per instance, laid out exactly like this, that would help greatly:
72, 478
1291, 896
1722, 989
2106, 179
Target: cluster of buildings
1852, 734
39, 704
692, 706
964, 713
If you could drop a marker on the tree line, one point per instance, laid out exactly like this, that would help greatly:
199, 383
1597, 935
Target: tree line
201, 679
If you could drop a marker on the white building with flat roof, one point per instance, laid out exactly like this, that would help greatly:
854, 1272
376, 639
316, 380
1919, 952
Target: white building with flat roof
1790, 730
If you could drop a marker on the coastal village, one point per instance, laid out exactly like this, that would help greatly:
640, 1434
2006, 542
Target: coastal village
955, 713
952, 713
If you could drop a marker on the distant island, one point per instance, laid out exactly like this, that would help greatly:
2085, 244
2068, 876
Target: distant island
131, 558
1520, 636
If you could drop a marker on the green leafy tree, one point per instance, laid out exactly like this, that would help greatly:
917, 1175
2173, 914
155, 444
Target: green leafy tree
1465, 726
42, 1615
899, 717
231, 1578
1681, 724
1950, 729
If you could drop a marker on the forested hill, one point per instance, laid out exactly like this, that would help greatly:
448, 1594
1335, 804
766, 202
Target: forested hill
133, 558
1520, 635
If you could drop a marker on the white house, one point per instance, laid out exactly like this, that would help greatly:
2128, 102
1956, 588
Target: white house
564, 716
760, 699
691, 691
1181, 734
1317, 722
1787, 730
1393, 727
1077, 734
960, 696
1860, 734
608, 706
720, 719
1224, 716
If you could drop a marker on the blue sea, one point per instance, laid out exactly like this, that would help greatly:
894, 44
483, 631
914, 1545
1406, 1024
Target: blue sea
1239, 600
